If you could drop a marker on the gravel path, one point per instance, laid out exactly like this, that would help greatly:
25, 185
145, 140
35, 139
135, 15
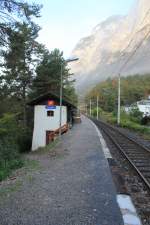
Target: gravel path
72, 188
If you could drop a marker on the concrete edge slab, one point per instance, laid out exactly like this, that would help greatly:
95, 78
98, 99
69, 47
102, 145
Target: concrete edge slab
128, 210
105, 149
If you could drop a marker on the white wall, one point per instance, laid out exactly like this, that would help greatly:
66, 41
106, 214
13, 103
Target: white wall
42, 123
145, 109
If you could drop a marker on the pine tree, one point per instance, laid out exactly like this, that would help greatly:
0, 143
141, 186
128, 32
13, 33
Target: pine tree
48, 76
19, 62
12, 11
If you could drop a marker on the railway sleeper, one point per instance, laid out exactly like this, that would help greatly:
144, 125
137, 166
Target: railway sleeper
142, 164
134, 152
147, 175
135, 157
144, 169
141, 160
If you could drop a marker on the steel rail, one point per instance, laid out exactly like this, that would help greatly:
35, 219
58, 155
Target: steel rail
105, 127
116, 129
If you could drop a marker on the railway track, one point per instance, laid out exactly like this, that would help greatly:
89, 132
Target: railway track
137, 155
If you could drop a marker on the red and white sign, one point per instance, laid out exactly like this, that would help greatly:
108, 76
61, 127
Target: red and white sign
50, 103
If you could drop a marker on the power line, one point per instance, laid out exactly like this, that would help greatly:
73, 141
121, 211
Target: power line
123, 52
137, 47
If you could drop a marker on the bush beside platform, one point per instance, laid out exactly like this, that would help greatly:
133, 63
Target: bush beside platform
130, 121
14, 139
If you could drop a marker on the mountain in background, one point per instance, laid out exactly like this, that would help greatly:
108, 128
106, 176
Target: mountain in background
100, 54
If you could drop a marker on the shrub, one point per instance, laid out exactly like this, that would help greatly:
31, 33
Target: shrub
3, 173
94, 112
145, 120
5, 169
9, 157
126, 120
15, 164
9, 145
136, 115
9, 126
24, 140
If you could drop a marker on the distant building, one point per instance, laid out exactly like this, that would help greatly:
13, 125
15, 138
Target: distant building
143, 106
47, 118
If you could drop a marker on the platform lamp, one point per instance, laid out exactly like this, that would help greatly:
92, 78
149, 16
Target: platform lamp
118, 114
61, 90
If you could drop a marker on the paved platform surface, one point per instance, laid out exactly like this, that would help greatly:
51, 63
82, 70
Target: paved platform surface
75, 188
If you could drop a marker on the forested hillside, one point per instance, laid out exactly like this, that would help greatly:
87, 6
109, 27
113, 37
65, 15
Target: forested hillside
133, 88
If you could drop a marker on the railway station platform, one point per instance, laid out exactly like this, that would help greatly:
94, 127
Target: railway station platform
74, 189
96, 198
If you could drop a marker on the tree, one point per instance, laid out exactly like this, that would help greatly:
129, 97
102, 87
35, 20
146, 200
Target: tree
12, 11
70, 93
48, 76
19, 62
133, 89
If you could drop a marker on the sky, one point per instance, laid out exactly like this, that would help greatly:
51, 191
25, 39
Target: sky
65, 22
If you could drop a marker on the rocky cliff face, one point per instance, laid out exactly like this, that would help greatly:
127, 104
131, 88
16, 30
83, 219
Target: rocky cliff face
101, 55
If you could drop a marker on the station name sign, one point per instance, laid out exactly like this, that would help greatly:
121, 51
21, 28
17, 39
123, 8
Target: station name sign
50, 107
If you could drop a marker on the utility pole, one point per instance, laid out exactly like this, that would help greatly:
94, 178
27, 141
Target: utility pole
90, 107
97, 106
118, 116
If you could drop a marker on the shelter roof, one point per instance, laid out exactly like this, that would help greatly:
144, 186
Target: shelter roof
49, 95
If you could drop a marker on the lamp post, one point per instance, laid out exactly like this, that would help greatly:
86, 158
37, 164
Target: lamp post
61, 92
118, 116
97, 106
86, 109
90, 107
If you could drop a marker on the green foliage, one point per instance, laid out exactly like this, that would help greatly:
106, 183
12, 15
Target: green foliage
106, 116
133, 89
8, 149
24, 139
18, 9
127, 121
94, 112
48, 74
13, 140
19, 60
9, 157
135, 126
136, 115
8, 126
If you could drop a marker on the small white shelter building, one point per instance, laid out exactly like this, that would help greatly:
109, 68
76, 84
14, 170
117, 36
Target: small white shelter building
47, 119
